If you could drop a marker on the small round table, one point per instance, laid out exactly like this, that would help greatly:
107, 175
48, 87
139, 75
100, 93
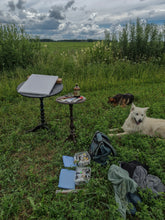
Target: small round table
56, 89
63, 100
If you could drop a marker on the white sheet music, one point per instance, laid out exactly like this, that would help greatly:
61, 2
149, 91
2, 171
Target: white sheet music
38, 84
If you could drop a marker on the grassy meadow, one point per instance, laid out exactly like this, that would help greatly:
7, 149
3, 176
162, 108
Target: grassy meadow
31, 162
66, 46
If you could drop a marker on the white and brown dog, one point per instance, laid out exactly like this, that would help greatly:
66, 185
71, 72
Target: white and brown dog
137, 121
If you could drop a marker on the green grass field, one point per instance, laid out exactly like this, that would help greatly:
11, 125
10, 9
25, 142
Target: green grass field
65, 46
31, 162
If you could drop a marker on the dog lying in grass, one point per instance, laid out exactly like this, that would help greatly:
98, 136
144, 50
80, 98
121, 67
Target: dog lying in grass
121, 99
137, 121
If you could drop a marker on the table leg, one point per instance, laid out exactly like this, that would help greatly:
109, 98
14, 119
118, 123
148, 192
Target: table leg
42, 115
42, 111
72, 135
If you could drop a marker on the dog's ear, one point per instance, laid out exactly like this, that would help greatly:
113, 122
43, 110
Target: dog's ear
145, 109
132, 107
111, 99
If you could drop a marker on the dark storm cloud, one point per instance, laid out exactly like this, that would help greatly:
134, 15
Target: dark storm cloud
47, 24
74, 8
11, 6
69, 4
32, 10
56, 13
42, 17
20, 4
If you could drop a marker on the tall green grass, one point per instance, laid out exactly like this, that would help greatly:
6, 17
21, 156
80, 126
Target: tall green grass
136, 42
17, 48
140, 42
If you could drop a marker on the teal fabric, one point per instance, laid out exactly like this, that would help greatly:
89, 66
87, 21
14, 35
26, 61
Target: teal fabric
122, 184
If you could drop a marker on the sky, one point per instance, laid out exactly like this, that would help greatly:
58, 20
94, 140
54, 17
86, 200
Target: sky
78, 19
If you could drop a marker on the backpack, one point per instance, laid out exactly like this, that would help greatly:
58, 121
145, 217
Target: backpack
101, 148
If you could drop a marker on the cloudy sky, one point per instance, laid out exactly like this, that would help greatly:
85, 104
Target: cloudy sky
78, 19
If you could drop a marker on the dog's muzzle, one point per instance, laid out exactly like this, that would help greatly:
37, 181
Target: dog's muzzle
138, 122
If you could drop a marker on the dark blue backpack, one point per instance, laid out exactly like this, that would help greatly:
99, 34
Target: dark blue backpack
101, 148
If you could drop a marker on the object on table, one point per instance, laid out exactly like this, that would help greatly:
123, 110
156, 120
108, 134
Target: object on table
59, 81
70, 99
38, 84
78, 99
76, 91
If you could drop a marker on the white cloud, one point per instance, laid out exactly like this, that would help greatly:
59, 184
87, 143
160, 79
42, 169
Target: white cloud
60, 19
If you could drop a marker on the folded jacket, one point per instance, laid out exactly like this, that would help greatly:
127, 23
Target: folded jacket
145, 180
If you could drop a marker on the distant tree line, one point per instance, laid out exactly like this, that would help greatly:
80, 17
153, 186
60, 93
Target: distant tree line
71, 40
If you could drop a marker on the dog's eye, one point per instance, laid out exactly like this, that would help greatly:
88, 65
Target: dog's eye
136, 113
142, 115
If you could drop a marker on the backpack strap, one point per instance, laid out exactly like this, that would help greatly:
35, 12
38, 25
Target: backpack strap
110, 146
99, 139
106, 140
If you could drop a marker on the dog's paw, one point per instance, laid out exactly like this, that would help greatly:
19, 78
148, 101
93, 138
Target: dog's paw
111, 135
113, 129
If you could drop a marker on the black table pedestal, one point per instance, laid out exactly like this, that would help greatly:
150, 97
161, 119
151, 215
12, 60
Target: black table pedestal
72, 135
56, 89
43, 125
63, 100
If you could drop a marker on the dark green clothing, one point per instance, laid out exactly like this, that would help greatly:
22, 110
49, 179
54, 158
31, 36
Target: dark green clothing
122, 184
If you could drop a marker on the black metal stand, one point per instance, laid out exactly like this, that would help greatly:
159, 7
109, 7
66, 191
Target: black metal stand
72, 135
42, 125
56, 89
62, 100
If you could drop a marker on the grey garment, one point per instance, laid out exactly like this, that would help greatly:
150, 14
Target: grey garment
122, 184
145, 180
